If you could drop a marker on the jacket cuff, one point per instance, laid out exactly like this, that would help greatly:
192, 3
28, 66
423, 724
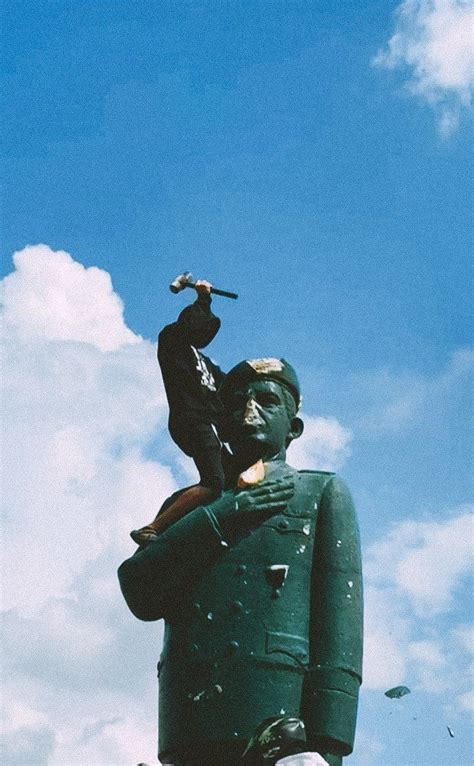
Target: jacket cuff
331, 698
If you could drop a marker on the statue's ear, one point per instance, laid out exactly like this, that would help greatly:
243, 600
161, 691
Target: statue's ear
296, 428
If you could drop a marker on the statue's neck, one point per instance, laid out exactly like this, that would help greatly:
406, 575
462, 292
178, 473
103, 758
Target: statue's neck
240, 463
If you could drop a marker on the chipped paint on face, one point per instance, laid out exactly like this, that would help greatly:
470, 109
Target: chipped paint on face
307, 529
252, 415
302, 548
350, 583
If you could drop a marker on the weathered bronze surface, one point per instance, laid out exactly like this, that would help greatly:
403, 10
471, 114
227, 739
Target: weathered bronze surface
261, 594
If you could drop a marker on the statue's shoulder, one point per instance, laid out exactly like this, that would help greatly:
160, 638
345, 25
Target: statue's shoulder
313, 481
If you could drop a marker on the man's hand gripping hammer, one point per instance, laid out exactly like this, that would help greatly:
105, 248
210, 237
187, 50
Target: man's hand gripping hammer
186, 280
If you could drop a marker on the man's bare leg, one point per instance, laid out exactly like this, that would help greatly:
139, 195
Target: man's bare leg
187, 501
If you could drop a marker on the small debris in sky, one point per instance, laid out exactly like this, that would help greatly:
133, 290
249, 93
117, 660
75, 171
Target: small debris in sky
450, 731
397, 692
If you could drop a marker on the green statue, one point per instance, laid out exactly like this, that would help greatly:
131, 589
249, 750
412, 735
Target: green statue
260, 591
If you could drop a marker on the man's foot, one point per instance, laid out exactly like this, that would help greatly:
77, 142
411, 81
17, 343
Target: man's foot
185, 502
143, 536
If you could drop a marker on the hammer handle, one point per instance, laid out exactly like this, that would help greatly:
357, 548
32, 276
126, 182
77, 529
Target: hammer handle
215, 291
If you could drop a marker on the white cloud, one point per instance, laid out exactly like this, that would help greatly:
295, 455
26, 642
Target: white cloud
52, 297
425, 560
465, 636
386, 633
412, 576
430, 664
433, 39
324, 445
26, 735
75, 480
369, 749
83, 402
466, 701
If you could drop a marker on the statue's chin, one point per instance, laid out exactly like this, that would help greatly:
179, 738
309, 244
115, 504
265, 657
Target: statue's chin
249, 449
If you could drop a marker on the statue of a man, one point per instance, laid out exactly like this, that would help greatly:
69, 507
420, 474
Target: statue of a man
260, 592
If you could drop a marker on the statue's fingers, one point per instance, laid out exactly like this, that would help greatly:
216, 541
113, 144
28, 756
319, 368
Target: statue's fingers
280, 503
279, 494
271, 486
272, 508
278, 480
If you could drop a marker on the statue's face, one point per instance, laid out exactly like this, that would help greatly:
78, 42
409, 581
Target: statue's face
259, 425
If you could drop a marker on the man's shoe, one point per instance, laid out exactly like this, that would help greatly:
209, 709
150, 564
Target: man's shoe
143, 536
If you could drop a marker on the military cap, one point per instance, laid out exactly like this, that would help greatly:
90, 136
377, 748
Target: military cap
250, 370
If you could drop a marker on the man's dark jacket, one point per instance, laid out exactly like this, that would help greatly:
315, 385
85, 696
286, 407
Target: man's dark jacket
191, 379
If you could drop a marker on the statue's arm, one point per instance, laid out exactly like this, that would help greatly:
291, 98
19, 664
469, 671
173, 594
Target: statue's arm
155, 577
332, 687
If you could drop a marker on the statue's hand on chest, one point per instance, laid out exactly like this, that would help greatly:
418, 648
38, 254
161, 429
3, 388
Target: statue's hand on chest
240, 511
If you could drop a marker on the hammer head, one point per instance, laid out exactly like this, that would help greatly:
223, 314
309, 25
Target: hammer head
180, 282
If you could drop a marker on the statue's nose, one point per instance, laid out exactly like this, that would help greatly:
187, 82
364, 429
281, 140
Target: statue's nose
251, 414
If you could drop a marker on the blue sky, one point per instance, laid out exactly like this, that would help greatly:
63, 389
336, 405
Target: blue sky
315, 157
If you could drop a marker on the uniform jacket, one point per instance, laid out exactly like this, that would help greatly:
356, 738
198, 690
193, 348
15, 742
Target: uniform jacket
267, 624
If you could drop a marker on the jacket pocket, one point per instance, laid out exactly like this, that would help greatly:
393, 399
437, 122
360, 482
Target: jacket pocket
295, 647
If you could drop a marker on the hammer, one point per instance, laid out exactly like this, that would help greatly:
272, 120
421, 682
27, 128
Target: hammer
186, 280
